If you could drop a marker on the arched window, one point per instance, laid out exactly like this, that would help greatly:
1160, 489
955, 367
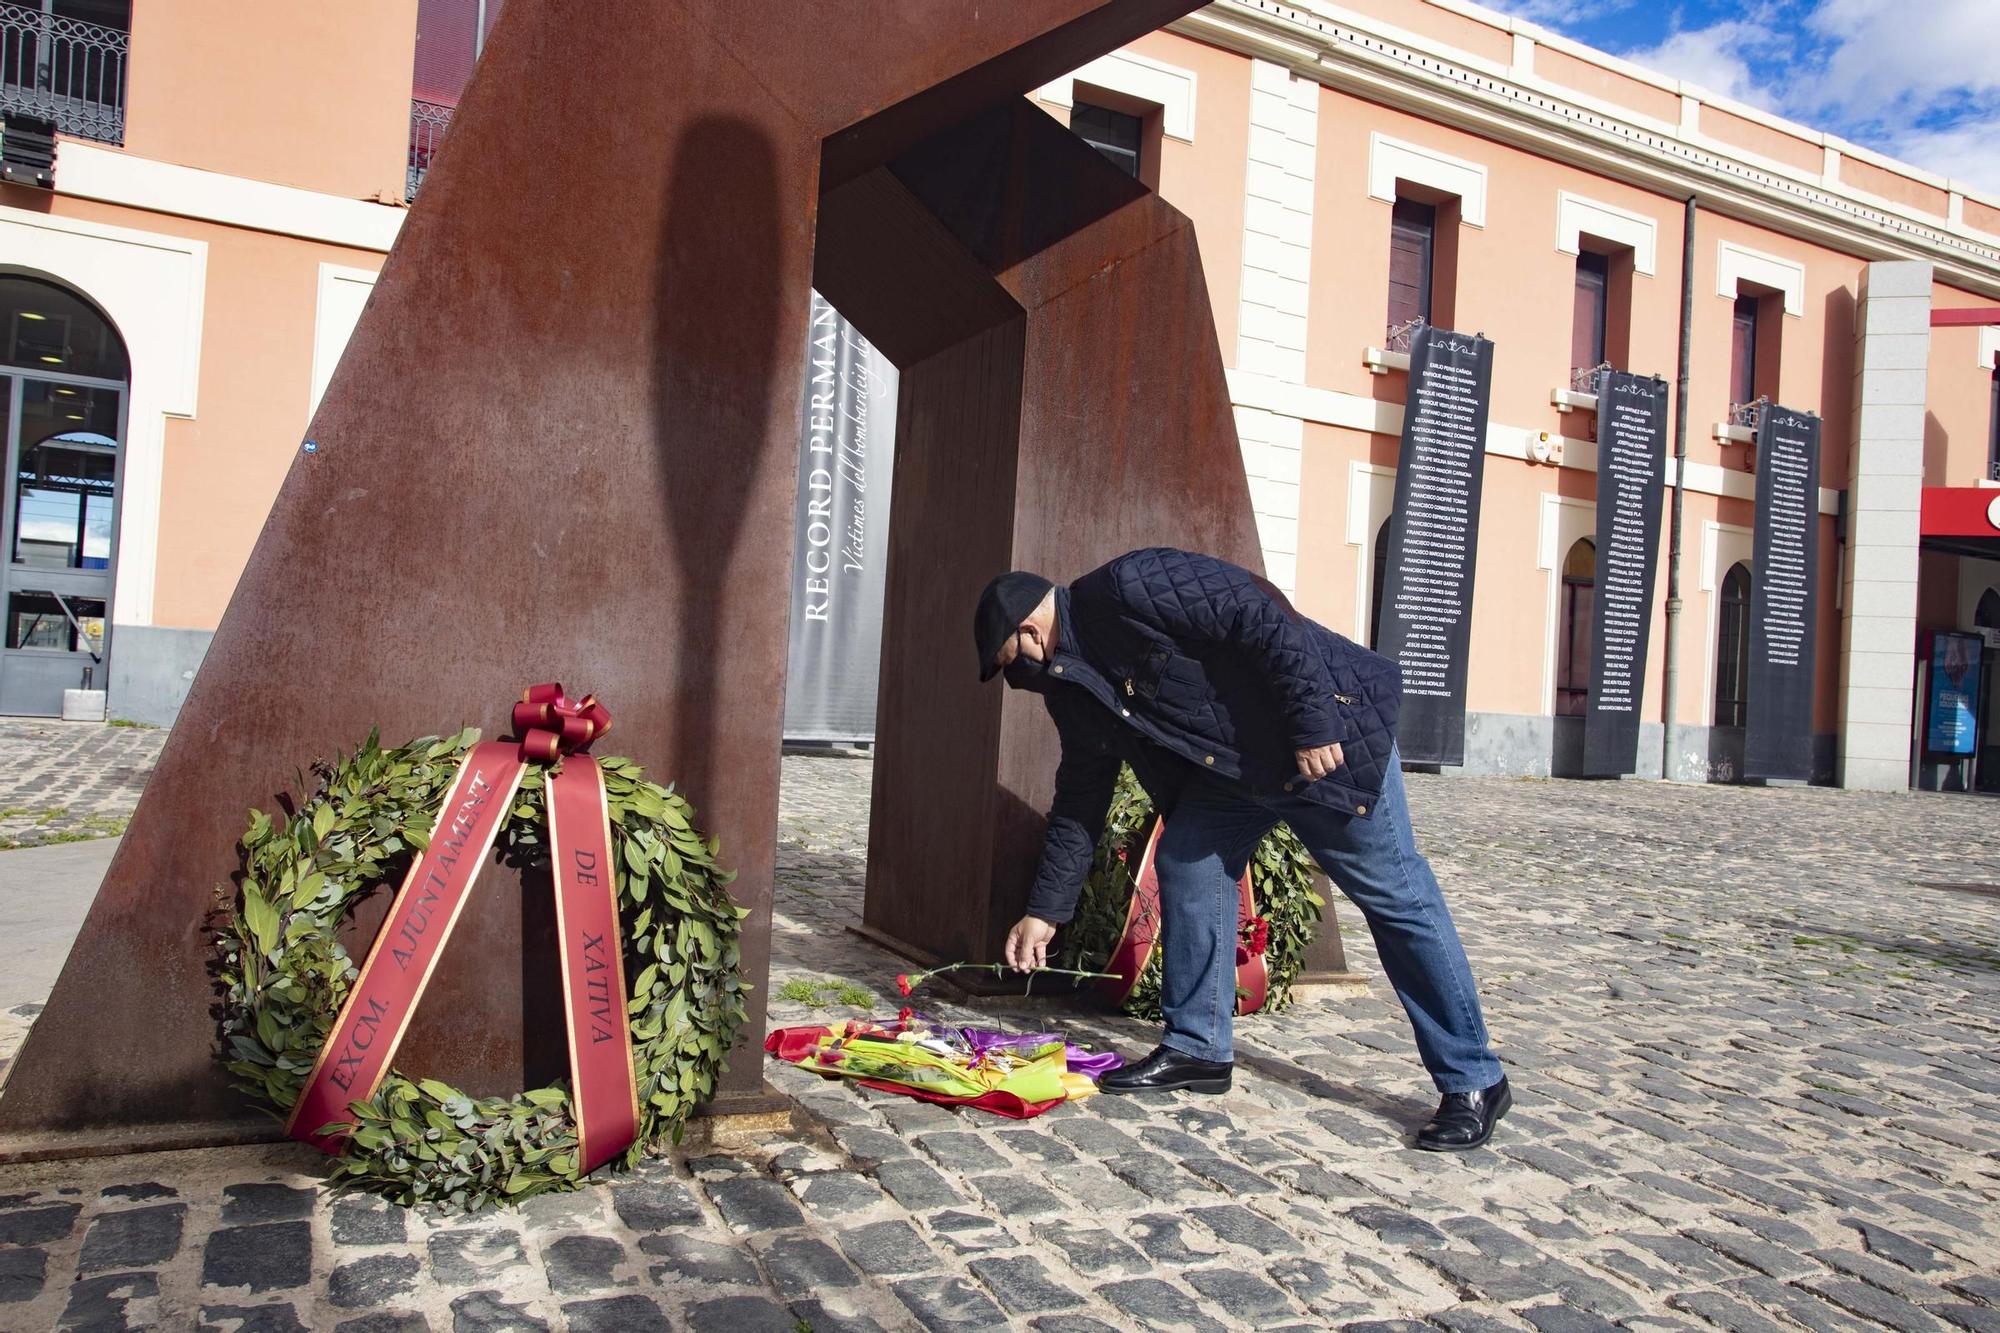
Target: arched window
1987, 615
1380, 582
1732, 647
63, 375
1579, 580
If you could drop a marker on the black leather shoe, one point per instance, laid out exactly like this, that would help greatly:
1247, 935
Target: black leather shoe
1465, 1120
1167, 1070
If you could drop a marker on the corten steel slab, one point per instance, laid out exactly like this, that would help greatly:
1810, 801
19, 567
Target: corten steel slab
561, 446
1062, 402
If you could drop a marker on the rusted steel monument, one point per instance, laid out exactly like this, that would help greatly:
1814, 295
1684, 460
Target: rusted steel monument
562, 446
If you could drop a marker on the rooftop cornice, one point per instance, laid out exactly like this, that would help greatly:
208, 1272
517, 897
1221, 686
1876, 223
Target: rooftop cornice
1473, 96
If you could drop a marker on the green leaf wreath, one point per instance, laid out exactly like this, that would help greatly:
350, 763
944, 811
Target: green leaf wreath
285, 973
1281, 877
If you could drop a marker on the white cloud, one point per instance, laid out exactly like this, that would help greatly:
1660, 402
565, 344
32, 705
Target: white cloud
1558, 13
1967, 152
1719, 58
1891, 55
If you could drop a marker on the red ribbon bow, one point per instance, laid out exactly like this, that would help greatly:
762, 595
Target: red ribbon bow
551, 724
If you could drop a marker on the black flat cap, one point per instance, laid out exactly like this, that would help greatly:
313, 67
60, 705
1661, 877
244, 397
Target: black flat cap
1007, 601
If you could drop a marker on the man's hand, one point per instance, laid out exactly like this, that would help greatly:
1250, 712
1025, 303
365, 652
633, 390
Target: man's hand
1317, 763
1028, 944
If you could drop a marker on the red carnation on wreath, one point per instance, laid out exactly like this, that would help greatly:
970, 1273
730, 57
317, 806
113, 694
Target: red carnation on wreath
903, 983
1257, 935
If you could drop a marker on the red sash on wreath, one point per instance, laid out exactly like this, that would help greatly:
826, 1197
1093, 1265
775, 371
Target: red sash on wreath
1142, 933
364, 1038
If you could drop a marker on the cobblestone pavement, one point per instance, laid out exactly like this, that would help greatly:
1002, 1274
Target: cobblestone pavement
1754, 1038
66, 781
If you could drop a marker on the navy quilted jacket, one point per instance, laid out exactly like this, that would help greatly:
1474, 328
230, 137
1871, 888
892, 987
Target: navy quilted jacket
1176, 662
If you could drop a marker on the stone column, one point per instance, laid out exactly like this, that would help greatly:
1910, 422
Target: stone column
1878, 605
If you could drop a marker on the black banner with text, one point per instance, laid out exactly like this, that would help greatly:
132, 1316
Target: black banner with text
1631, 490
1784, 570
1434, 539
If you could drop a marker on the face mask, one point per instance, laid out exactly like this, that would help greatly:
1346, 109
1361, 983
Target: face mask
1026, 674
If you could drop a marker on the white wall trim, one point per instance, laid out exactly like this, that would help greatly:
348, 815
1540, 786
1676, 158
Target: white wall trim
1563, 522
1169, 87
112, 177
1371, 495
1391, 160
1989, 345
152, 286
343, 291
1577, 216
1735, 263
1722, 546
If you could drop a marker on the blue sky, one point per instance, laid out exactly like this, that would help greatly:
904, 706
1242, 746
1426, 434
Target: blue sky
1916, 79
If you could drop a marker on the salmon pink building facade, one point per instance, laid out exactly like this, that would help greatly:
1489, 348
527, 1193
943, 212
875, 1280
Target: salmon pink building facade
215, 214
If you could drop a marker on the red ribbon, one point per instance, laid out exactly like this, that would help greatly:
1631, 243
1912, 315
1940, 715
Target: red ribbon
550, 726
1142, 932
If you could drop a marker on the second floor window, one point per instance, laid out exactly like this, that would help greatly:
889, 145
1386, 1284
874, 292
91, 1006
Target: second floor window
1732, 647
1412, 250
1993, 432
1743, 350
1591, 318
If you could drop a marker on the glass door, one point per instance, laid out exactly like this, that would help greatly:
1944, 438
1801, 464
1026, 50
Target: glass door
62, 470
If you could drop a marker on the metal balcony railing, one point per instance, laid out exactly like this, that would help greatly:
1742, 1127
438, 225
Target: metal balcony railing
63, 70
428, 122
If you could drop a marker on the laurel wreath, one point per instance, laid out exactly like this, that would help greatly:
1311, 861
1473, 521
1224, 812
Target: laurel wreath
1281, 879
285, 974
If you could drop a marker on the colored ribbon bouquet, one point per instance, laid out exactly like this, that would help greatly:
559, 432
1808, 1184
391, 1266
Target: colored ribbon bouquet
1019, 1075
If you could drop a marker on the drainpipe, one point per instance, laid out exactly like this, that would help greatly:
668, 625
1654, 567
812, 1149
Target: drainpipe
1670, 732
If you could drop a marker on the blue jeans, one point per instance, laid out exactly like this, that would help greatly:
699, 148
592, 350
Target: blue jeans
1376, 864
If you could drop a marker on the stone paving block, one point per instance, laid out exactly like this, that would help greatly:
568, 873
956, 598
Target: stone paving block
1635, 1271
1399, 1228
1037, 1146
949, 1304
1887, 1276
251, 1203
113, 1301
655, 1205
866, 1144
1023, 1286
1981, 1287
1566, 1319
133, 1238
962, 1152
800, 1266
631, 1313
1727, 1314
22, 1273
1163, 1236
837, 1194
1234, 1223
1871, 1303
1155, 1304
1093, 1138
363, 1220
37, 1226
1692, 1258
1092, 1249
754, 1203
702, 1262
1768, 1259
375, 1279
1070, 1323
484, 1312
887, 1249
1896, 1247
1582, 1290
1017, 1195
580, 1264
270, 1256
1494, 1242
1795, 1303
385, 1321
143, 1191
1466, 1319
970, 1233
1228, 1176
1246, 1296
1153, 1175
917, 1185
280, 1317
467, 1257
1976, 1318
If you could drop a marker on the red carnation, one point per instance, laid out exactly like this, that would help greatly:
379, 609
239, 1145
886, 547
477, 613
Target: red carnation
1259, 933
905, 1014
1124, 855
903, 984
